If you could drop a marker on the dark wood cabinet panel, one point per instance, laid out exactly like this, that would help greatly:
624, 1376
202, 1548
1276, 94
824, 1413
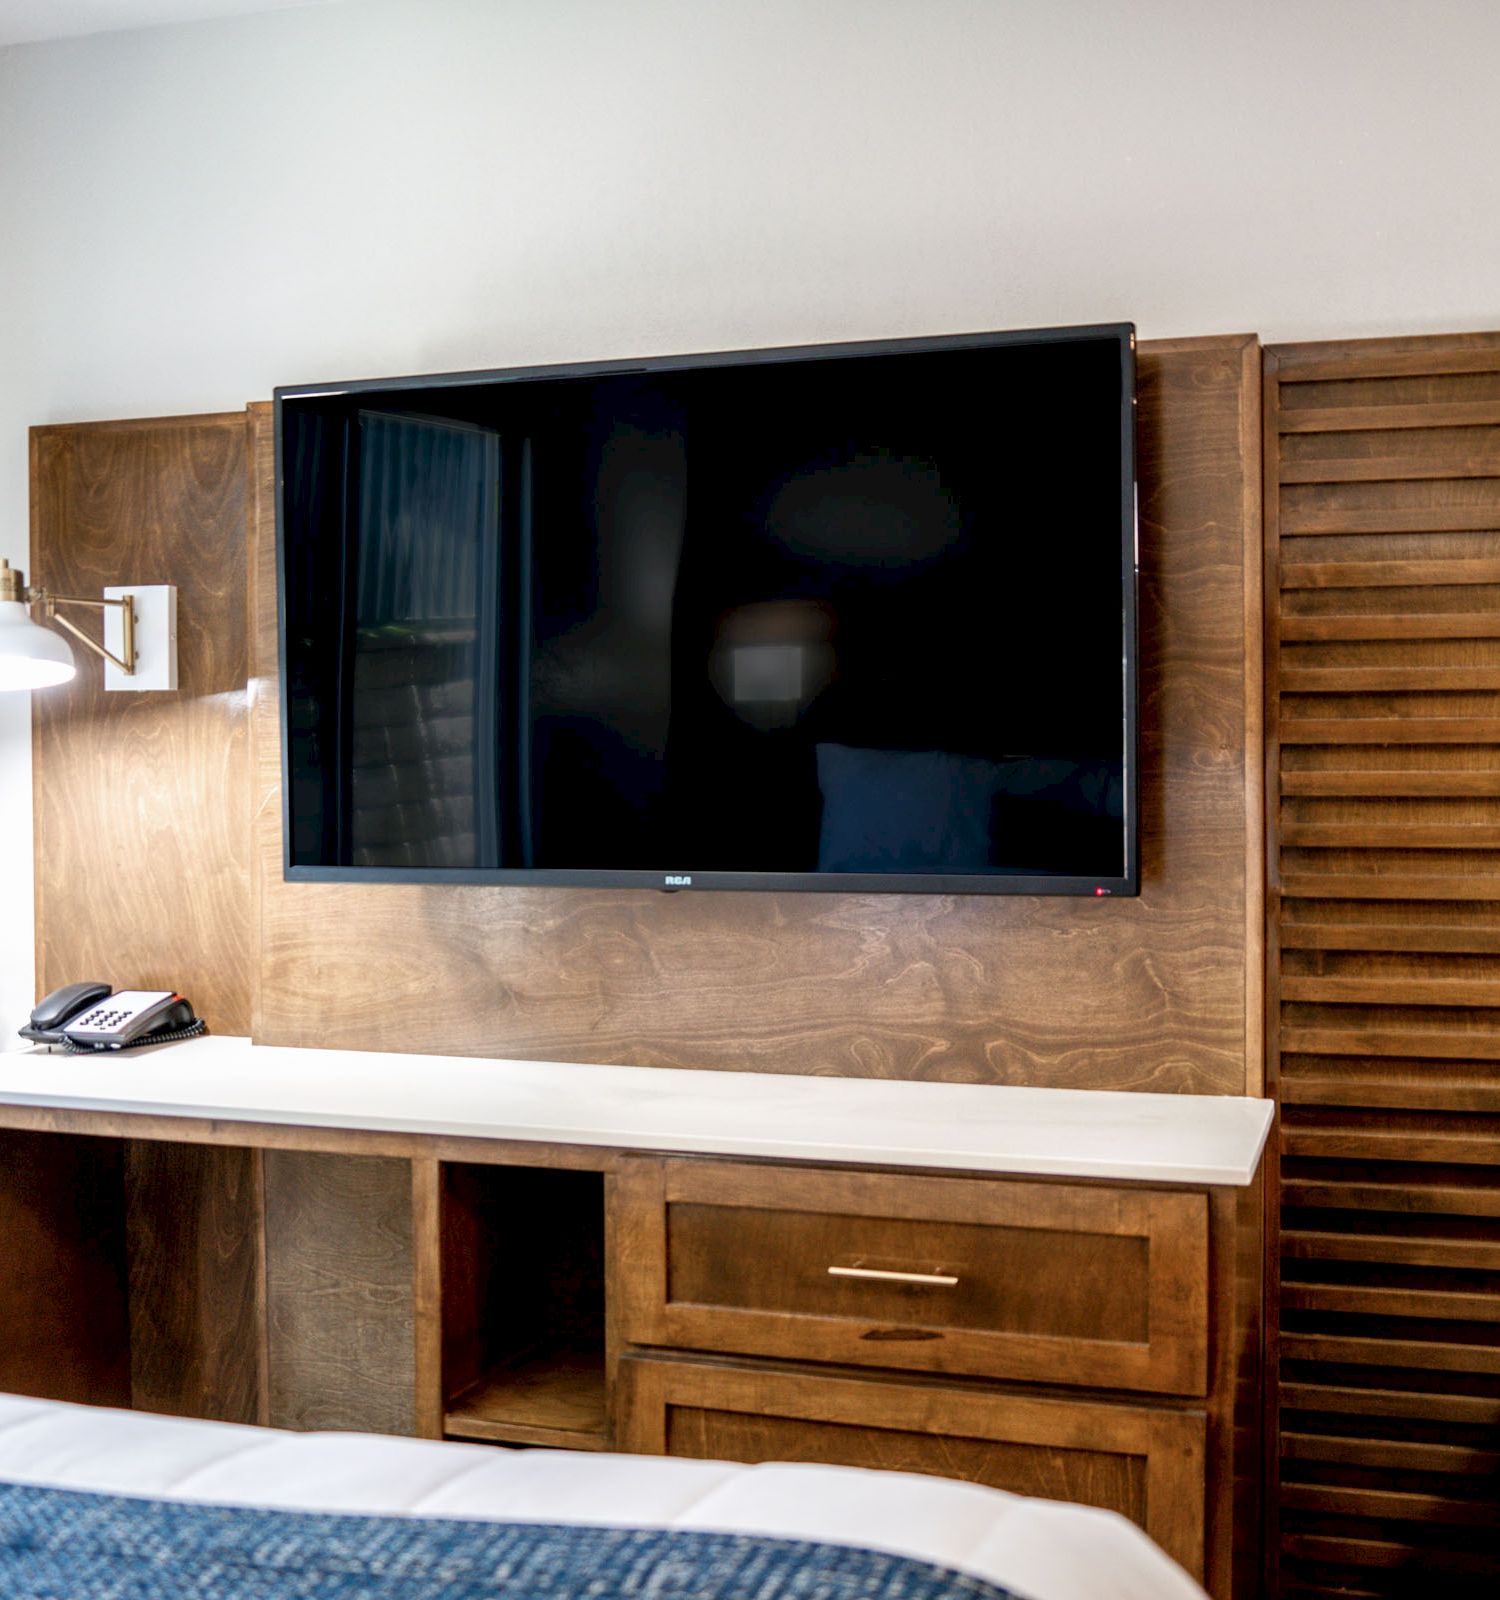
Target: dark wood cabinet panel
1147, 1464
1082, 1475
339, 1292
1057, 1283
64, 1332
928, 1276
197, 1307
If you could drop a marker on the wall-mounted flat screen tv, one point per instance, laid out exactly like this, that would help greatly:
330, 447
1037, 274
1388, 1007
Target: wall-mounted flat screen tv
852, 617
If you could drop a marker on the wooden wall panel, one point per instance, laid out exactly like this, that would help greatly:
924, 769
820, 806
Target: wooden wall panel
197, 1311
142, 854
339, 1292
1383, 591
1157, 993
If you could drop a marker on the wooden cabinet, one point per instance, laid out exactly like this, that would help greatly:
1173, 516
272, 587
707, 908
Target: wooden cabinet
1081, 1341
1146, 1462
1048, 1282
1091, 1340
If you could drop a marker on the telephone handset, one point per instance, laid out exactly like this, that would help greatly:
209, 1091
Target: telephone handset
91, 1016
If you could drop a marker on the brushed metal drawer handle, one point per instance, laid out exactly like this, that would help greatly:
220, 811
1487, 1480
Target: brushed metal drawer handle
940, 1279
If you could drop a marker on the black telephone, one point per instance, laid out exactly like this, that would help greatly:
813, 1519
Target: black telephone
91, 1016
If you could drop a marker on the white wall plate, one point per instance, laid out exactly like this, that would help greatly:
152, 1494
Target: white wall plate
155, 636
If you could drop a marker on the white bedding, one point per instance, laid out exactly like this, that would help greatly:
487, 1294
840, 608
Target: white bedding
1039, 1549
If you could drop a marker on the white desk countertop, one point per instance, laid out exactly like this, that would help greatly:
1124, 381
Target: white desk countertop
970, 1127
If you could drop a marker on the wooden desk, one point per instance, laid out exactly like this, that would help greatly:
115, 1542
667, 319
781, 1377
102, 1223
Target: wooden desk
1051, 1291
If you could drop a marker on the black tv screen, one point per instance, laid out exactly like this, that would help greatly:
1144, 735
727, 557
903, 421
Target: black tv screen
851, 617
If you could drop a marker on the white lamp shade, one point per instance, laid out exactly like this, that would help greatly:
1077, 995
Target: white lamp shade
31, 657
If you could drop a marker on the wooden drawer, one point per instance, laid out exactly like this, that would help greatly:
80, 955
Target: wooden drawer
1055, 1283
1145, 1462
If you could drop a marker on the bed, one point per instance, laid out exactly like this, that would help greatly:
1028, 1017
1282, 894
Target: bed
73, 1477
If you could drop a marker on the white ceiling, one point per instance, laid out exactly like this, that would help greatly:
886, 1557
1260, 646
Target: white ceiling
25, 21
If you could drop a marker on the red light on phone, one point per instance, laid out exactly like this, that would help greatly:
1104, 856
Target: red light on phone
1101, 891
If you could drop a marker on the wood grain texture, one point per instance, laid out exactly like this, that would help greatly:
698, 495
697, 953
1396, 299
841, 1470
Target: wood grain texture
285, 1136
1062, 1284
142, 855
557, 1399
197, 1313
1155, 993
1269, 1570
339, 1292
1234, 1555
260, 657
427, 1294
1383, 1030
1146, 1464
1252, 432
64, 1333
523, 1305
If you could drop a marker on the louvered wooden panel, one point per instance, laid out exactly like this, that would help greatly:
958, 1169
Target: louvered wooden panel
1383, 680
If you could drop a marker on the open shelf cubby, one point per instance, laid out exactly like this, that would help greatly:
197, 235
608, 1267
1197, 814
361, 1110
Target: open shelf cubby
523, 1306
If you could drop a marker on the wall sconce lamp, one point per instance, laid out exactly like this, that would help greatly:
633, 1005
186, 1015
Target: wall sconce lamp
140, 635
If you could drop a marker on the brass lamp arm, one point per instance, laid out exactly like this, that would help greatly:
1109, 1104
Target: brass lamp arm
50, 602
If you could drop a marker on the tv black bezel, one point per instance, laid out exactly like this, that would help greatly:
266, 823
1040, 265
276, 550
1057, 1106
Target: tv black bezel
684, 876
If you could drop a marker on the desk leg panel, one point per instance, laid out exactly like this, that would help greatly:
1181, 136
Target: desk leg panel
64, 1333
340, 1312
197, 1319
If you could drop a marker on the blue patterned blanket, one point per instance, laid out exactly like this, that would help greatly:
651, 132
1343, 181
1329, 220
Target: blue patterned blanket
63, 1545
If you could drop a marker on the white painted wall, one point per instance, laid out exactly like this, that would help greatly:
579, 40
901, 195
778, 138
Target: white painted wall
192, 214
22, 21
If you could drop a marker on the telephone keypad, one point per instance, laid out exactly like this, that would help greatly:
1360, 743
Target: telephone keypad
120, 1017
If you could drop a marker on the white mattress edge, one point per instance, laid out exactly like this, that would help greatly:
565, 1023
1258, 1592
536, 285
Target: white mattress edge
1036, 1549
